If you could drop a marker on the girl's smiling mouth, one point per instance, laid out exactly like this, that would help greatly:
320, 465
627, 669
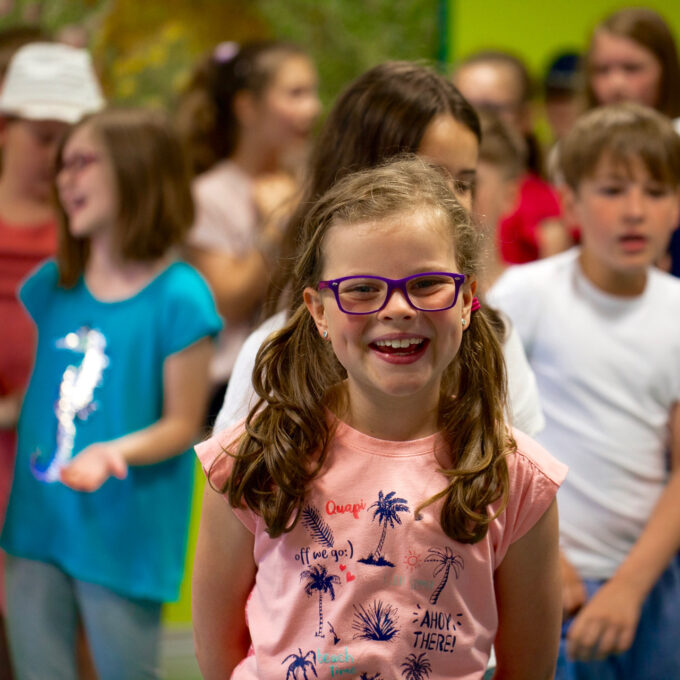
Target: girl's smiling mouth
400, 350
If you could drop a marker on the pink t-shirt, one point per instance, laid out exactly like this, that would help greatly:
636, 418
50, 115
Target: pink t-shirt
363, 588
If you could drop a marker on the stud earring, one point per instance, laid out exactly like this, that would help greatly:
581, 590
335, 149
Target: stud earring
463, 321
325, 335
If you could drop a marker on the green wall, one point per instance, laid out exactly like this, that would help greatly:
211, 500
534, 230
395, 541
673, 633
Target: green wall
534, 29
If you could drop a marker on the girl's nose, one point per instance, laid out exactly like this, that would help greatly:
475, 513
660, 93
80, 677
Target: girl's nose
397, 307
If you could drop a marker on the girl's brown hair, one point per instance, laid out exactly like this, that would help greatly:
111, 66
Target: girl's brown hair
206, 119
621, 132
156, 208
296, 373
648, 29
383, 113
502, 146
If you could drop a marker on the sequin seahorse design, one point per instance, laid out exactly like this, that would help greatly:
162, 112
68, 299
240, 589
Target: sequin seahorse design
76, 398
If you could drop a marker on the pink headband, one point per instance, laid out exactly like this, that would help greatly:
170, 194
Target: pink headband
475, 304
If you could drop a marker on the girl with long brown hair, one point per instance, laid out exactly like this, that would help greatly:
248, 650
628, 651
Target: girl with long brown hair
388, 516
395, 107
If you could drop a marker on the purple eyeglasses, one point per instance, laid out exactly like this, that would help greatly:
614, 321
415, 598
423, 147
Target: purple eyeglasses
426, 292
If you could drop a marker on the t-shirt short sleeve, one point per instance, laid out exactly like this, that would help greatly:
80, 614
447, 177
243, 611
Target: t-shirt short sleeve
36, 290
217, 465
190, 312
518, 293
535, 477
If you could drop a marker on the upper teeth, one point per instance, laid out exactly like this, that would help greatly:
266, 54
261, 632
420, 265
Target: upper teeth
399, 342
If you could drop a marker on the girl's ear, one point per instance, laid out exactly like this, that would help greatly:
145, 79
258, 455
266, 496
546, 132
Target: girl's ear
316, 308
467, 295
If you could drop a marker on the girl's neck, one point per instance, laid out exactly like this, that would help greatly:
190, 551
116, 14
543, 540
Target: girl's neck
253, 158
112, 279
391, 419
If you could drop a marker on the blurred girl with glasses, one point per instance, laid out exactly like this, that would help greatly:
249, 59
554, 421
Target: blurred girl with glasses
393, 527
98, 514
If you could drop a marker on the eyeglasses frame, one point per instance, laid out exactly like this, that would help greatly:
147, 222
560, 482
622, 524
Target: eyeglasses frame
392, 285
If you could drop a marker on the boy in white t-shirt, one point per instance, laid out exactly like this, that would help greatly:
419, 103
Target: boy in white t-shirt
601, 329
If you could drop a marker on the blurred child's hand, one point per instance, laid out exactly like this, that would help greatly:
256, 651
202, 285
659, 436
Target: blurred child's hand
573, 590
93, 466
606, 624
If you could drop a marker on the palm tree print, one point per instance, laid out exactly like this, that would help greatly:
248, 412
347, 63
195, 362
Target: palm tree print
416, 667
301, 663
319, 580
446, 560
387, 508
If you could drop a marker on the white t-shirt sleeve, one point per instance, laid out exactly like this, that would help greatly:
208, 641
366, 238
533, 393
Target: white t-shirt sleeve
240, 396
524, 403
517, 294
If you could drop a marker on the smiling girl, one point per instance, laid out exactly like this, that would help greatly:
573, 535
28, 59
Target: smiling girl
115, 398
356, 406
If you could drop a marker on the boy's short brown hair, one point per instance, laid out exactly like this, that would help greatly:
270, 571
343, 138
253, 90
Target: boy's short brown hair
501, 146
621, 131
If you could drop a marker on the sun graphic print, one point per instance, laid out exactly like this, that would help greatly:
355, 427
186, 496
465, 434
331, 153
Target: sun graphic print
412, 560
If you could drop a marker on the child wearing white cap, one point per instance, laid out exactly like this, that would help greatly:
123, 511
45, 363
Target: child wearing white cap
47, 87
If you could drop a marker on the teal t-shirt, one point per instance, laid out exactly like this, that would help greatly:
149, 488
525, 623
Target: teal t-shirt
98, 375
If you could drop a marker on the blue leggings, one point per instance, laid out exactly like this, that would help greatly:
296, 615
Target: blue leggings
655, 653
43, 606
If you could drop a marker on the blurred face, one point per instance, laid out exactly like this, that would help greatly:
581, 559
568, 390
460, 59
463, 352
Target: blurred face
289, 107
493, 87
451, 146
399, 352
623, 70
495, 195
87, 186
28, 154
626, 218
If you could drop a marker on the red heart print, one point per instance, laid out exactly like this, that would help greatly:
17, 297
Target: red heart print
350, 577
343, 567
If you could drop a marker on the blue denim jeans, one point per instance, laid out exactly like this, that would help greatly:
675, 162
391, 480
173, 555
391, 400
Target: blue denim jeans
43, 607
655, 653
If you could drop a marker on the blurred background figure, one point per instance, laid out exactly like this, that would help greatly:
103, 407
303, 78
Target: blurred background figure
633, 57
500, 83
501, 166
47, 87
246, 116
563, 93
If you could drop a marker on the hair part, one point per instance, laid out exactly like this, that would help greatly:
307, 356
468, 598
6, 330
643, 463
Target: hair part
205, 117
648, 29
383, 113
621, 132
297, 376
156, 208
